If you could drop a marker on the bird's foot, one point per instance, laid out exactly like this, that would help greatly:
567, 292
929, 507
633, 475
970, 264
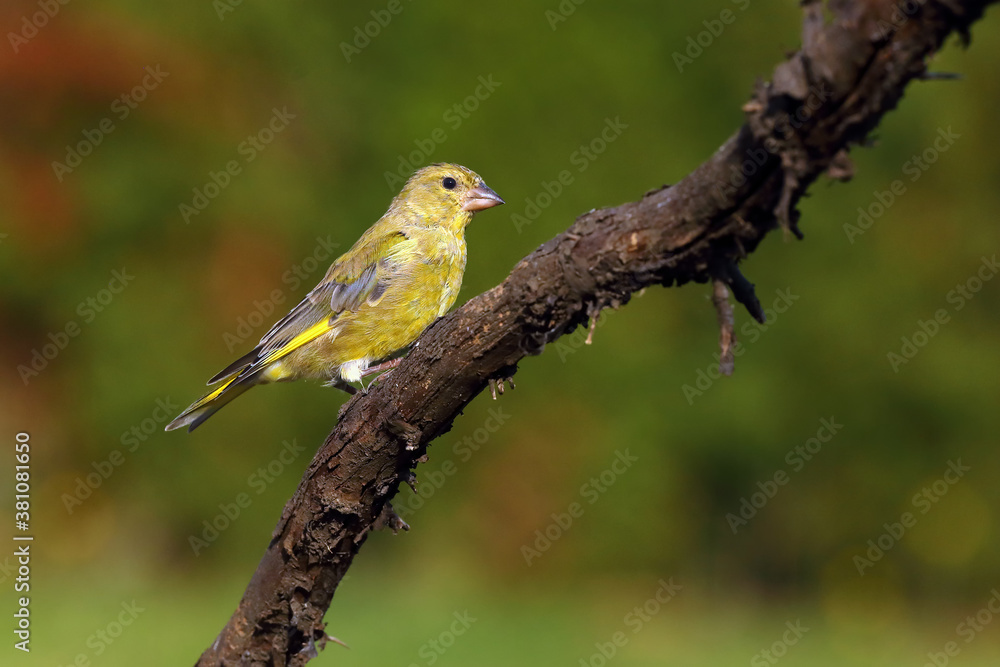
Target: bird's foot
331, 638
498, 386
385, 366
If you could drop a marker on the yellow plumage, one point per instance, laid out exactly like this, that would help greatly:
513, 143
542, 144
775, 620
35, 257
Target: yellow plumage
375, 300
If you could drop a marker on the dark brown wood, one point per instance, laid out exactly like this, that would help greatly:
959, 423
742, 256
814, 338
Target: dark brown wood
821, 100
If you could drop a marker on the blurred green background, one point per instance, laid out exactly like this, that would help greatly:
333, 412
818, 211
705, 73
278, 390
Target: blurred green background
201, 287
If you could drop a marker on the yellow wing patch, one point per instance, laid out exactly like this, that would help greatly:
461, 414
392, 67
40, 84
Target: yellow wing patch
307, 336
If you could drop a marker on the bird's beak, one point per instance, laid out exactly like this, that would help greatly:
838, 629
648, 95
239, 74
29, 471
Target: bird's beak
481, 197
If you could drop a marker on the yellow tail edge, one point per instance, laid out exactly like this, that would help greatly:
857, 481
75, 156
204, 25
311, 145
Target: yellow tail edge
209, 404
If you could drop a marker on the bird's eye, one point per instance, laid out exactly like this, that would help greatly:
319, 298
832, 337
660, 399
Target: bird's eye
449, 183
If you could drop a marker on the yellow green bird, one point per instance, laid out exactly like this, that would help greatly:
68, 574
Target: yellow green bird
375, 300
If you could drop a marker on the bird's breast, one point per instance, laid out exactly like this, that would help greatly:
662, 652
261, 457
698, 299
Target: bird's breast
452, 266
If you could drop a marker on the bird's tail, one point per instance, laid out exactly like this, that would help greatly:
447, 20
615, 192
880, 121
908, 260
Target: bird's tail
210, 403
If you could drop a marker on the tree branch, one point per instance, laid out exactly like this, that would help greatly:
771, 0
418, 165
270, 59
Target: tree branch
823, 98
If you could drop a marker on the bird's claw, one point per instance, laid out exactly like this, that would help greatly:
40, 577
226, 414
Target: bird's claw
497, 386
331, 638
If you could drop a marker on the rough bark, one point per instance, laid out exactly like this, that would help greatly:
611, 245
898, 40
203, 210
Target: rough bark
856, 59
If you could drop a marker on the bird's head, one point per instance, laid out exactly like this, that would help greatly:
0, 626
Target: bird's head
447, 194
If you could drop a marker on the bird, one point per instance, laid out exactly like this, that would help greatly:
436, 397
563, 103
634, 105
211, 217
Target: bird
374, 301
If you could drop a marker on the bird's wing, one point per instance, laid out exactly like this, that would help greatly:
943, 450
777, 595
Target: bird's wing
360, 276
